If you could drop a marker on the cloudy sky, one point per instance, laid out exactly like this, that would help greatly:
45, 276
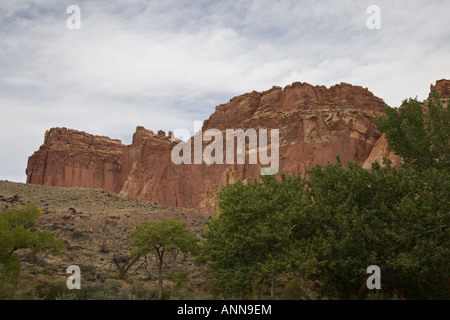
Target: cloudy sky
163, 64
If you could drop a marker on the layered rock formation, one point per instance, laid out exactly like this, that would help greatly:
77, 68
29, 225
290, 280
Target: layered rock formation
70, 158
315, 125
442, 87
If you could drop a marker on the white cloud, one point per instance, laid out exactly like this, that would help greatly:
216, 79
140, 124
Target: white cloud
164, 64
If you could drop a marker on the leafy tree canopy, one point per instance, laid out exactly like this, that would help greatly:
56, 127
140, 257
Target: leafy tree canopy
420, 134
162, 237
17, 231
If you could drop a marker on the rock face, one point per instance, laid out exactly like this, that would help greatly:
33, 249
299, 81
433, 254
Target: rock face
380, 152
70, 158
315, 125
442, 87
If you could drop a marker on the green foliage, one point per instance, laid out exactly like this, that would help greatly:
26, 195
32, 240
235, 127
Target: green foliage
162, 237
248, 243
334, 225
297, 289
331, 228
396, 219
17, 232
46, 290
112, 289
180, 278
420, 135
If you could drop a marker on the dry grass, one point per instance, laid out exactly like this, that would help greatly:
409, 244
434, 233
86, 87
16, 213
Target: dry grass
96, 226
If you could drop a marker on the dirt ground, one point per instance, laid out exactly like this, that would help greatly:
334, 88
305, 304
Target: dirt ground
96, 226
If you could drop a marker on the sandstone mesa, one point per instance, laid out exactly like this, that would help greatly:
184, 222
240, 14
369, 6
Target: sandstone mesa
316, 124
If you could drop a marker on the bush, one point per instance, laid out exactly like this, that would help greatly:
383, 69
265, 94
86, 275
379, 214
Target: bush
297, 289
17, 232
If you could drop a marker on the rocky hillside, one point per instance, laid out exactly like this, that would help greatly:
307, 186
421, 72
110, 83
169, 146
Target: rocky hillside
315, 125
96, 226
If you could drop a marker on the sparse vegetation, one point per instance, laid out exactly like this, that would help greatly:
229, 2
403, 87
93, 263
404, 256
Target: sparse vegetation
161, 239
94, 236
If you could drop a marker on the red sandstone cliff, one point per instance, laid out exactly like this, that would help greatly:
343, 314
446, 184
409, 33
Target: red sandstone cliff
70, 158
315, 124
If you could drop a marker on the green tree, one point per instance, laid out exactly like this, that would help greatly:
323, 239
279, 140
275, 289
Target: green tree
330, 228
334, 225
163, 237
421, 135
17, 231
248, 242
396, 219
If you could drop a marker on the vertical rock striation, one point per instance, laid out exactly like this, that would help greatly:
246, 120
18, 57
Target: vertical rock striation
315, 125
